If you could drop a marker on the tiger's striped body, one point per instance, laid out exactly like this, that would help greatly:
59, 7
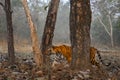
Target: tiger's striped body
63, 50
66, 51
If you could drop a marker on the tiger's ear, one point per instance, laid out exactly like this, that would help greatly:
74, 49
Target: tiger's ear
50, 47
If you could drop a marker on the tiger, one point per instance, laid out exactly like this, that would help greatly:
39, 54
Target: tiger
93, 52
66, 51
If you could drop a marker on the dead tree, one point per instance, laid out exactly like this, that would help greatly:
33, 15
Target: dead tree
80, 20
10, 37
49, 27
35, 43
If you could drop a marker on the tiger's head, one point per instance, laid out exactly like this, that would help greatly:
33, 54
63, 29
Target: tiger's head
55, 54
53, 50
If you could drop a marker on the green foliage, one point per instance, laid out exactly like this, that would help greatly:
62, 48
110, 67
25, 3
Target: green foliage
45, 8
16, 3
118, 23
110, 0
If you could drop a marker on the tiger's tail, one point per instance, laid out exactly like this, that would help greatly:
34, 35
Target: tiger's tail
101, 60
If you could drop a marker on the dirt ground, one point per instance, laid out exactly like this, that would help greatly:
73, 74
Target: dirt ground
25, 68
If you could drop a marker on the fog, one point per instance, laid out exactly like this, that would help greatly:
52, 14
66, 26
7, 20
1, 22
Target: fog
105, 21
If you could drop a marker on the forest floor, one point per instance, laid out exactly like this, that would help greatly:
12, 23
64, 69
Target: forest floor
25, 68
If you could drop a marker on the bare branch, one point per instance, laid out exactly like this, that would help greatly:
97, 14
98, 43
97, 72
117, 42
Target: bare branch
104, 26
2, 5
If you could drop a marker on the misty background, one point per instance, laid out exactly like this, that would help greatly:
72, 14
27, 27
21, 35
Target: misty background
105, 24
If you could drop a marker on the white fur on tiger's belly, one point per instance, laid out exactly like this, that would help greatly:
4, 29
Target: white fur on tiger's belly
54, 64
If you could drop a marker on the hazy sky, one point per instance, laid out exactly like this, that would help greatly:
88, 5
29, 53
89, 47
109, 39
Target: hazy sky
65, 0
62, 0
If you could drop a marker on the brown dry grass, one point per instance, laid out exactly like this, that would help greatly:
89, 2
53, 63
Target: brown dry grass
21, 46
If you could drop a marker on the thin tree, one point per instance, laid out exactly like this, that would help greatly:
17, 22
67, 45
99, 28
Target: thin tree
35, 43
49, 27
10, 37
109, 32
80, 20
106, 13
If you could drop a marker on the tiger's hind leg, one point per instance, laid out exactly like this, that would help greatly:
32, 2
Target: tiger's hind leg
94, 62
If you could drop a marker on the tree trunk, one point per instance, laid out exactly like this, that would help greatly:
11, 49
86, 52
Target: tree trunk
35, 43
111, 31
80, 20
10, 37
49, 27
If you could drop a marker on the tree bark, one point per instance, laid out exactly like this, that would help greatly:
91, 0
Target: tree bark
49, 27
35, 43
80, 20
10, 37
